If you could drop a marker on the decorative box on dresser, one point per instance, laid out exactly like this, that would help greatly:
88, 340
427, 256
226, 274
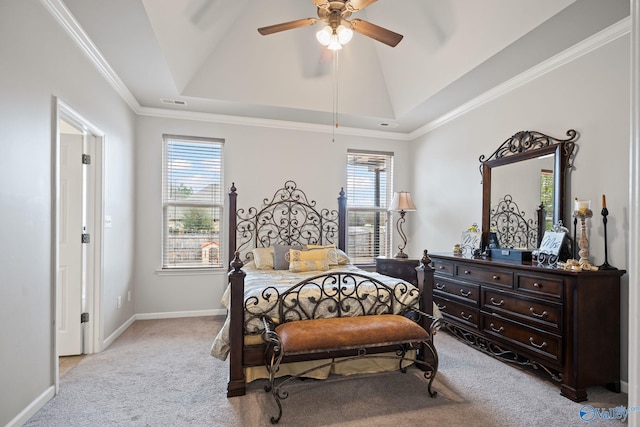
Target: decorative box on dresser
565, 322
400, 268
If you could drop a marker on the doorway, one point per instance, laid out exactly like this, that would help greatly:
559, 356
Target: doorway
78, 177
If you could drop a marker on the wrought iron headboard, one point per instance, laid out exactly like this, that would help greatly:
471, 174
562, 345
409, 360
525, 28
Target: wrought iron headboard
288, 217
513, 228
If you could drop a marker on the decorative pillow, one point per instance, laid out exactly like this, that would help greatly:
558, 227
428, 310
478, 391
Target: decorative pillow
332, 254
263, 258
310, 265
281, 256
343, 259
314, 255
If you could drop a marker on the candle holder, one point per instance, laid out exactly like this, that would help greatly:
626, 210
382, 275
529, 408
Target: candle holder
582, 214
605, 265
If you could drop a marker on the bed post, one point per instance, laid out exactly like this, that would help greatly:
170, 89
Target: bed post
342, 221
425, 283
236, 385
233, 207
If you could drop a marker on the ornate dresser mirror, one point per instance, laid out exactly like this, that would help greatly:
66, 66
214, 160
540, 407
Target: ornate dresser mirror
523, 188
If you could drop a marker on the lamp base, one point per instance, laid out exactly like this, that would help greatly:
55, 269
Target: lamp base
401, 255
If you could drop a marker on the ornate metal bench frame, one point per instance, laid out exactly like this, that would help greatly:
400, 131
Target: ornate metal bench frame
345, 294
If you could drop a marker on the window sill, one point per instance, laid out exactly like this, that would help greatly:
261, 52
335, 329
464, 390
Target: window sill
214, 271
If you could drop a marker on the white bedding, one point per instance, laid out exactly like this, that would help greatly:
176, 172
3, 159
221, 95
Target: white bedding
255, 282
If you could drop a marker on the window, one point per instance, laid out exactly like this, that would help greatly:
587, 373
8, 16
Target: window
369, 184
546, 196
192, 202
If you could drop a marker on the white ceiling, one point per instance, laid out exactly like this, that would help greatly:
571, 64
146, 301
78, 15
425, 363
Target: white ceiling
208, 54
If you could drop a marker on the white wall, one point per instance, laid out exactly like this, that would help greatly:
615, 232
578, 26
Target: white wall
40, 61
259, 160
590, 95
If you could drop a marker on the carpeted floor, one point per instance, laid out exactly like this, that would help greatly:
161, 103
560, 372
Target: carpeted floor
160, 373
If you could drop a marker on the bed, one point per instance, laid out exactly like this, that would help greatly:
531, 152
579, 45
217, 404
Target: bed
285, 241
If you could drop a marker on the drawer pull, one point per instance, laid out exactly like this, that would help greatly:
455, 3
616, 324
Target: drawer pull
499, 303
467, 272
465, 317
465, 294
441, 307
496, 277
543, 314
498, 330
440, 286
442, 267
533, 343
537, 285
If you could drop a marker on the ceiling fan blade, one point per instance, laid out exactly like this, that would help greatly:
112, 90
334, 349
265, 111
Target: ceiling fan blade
355, 5
383, 35
322, 4
287, 26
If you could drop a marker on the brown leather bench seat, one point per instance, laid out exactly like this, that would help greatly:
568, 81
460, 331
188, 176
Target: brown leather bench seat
344, 333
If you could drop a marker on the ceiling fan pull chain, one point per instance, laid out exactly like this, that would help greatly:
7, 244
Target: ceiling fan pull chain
335, 94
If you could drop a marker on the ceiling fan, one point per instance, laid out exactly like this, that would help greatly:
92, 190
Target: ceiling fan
335, 14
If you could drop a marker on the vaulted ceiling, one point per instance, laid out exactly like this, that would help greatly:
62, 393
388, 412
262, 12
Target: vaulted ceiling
208, 56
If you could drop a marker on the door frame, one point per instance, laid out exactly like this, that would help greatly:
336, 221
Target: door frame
92, 331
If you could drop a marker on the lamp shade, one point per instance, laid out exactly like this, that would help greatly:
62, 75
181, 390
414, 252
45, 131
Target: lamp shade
402, 202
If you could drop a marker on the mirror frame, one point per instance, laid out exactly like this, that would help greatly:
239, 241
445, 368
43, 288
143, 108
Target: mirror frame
525, 145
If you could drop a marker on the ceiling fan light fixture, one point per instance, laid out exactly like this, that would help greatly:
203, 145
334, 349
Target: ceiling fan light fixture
324, 35
344, 34
334, 43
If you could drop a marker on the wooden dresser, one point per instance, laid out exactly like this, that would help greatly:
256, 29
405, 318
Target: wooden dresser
566, 323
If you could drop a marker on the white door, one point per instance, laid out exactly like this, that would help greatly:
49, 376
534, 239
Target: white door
70, 267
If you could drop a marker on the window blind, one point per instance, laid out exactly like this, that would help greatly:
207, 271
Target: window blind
192, 202
369, 193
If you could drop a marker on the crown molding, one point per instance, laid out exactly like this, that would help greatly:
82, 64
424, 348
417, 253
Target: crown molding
613, 32
268, 123
73, 28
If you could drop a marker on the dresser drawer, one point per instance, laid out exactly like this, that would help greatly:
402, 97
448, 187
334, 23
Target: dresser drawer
536, 312
456, 311
467, 291
443, 267
532, 341
544, 286
477, 274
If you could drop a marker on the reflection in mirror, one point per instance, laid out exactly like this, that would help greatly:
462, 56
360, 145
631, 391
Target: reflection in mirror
517, 191
523, 191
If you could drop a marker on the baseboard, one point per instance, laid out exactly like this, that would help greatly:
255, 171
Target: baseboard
32, 408
111, 338
176, 314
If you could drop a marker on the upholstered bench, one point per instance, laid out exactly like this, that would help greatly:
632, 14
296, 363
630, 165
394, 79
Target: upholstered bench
344, 333
330, 336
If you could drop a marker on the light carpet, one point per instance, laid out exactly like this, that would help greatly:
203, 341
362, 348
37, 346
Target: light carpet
160, 373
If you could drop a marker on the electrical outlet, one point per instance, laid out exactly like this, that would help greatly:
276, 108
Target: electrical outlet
128, 295
119, 301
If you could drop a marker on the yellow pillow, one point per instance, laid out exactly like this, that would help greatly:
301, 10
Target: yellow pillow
310, 265
315, 260
314, 255
263, 258
332, 253
340, 257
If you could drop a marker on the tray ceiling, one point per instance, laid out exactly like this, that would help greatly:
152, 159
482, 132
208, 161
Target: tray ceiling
208, 55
